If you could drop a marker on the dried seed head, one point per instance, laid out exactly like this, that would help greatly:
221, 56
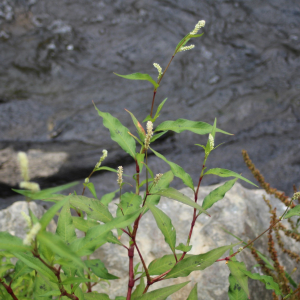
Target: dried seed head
159, 69
23, 162
32, 234
120, 176
186, 48
32, 186
199, 25
149, 134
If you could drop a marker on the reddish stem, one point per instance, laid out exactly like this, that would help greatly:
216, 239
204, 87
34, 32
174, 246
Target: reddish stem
9, 289
131, 274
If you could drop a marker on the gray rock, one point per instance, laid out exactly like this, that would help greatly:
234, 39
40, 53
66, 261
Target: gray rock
242, 212
11, 219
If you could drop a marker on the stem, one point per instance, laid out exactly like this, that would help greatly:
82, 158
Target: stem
8, 289
88, 178
131, 273
137, 169
273, 225
147, 184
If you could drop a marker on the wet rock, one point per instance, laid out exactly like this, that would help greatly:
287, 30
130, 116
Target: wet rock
244, 71
242, 212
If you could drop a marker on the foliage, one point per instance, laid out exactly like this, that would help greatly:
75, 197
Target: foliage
58, 265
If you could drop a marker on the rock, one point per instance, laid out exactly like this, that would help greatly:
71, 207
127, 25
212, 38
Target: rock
11, 219
244, 71
242, 212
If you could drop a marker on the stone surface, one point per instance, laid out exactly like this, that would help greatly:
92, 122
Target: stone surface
12, 221
58, 56
242, 211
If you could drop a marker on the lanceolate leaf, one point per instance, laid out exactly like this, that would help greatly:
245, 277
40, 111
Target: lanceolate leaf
138, 126
36, 264
177, 171
98, 234
11, 243
93, 207
41, 195
20, 269
55, 243
91, 188
148, 118
50, 213
98, 296
157, 136
235, 291
174, 194
83, 224
165, 225
139, 289
163, 264
72, 280
164, 182
237, 270
267, 280
140, 159
118, 132
227, 173
197, 262
65, 227
107, 198
99, 269
130, 202
139, 76
163, 293
183, 124
218, 194
293, 212
193, 294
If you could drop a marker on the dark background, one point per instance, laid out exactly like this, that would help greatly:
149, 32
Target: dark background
57, 56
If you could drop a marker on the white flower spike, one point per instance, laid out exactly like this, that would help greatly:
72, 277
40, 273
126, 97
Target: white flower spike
149, 134
159, 69
199, 25
186, 48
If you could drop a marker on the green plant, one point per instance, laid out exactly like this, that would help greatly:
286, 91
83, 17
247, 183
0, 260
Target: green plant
52, 265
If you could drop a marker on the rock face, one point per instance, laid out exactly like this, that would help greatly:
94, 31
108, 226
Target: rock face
242, 212
57, 57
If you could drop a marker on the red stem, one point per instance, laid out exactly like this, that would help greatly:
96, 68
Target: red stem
131, 274
9, 290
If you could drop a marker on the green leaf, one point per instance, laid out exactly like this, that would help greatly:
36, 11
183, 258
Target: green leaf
20, 270
83, 224
293, 212
93, 208
267, 280
41, 195
183, 124
91, 188
140, 76
165, 225
140, 159
213, 133
140, 130
36, 264
135, 269
157, 136
148, 118
57, 245
227, 173
107, 198
51, 293
9, 242
118, 132
164, 182
51, 212
193, 294
163, 264
98, 296
139, 289
65, 227
177, 171
217, 194
130, 202
174, 194
197, 262
182, 42
106, 169
235, 292
99, 269
72, 280
184, 248
41, 287
98, 234
237, 269
163, 293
